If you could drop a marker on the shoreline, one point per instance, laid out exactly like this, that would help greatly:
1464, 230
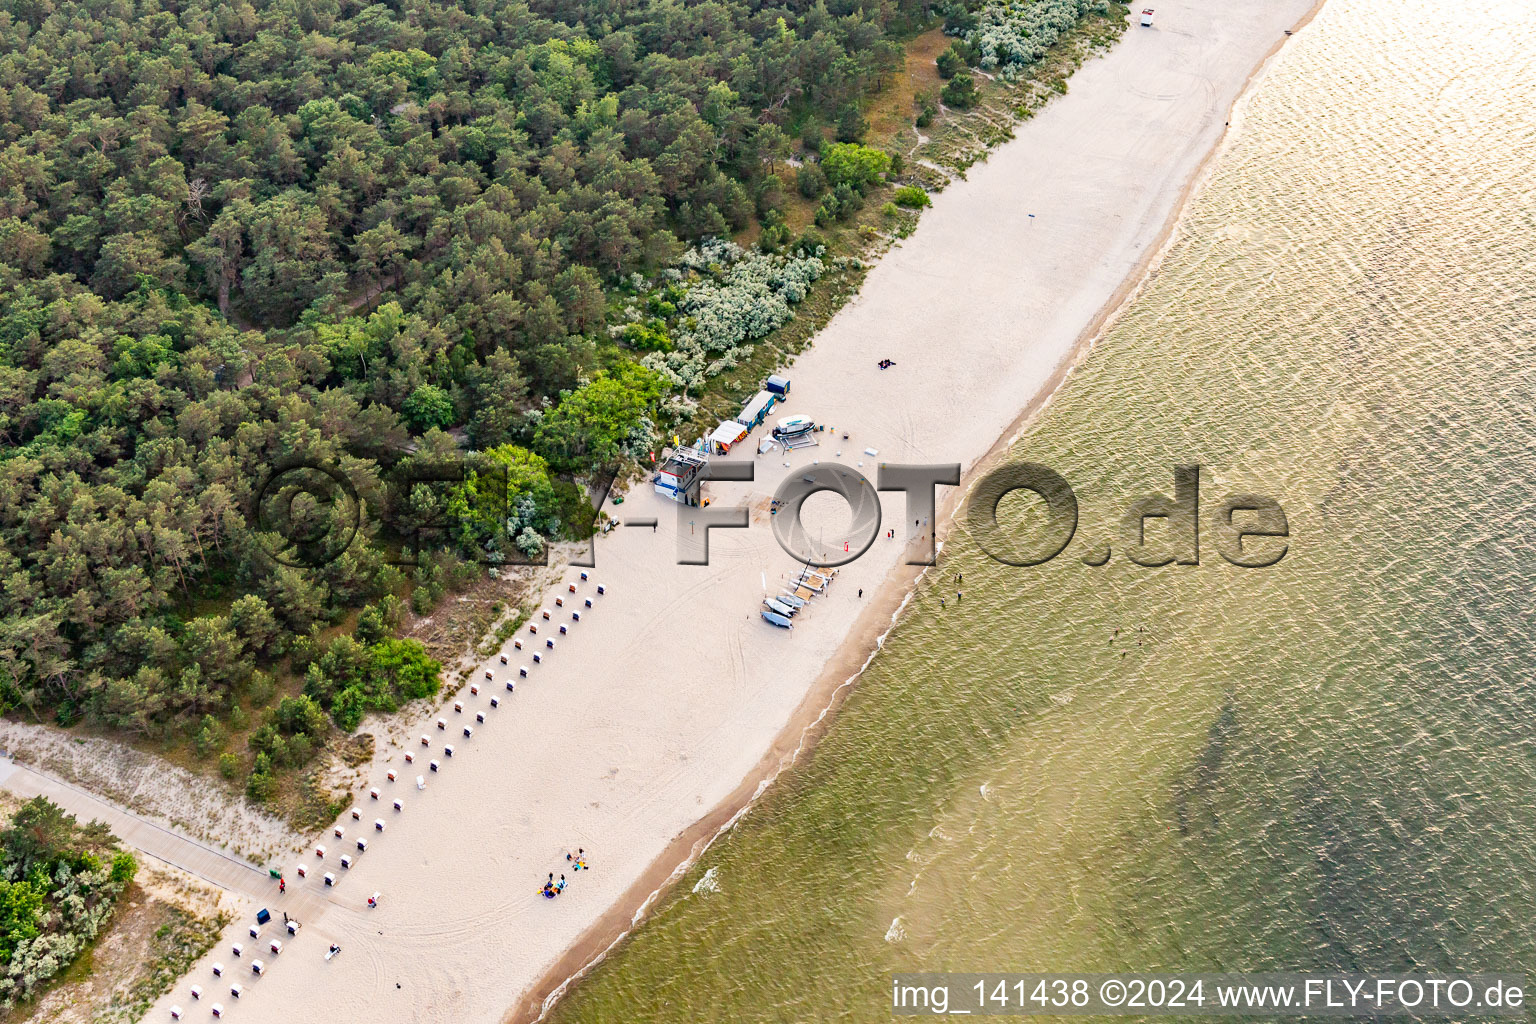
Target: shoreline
671, 707
863, 643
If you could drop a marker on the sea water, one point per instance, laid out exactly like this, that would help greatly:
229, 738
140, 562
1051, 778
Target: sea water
1324, 764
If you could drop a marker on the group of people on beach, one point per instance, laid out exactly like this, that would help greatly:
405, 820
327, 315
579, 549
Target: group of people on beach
886, 364
578, 862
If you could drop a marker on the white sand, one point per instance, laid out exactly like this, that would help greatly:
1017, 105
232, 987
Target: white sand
668, 694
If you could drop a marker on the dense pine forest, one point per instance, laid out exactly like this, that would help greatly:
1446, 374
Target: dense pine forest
370, 236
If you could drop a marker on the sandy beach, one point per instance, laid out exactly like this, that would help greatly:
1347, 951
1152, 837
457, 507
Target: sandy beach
660, 714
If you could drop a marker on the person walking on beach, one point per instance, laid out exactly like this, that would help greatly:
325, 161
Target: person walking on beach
282, 885
861, 591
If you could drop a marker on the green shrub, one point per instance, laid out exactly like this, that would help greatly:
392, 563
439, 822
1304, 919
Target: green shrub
209, 736
262, 784
851, 124
843, 202
371, 627
776, 233
427, 407
810, 243
959, 19
911, 196
351, 680
950, 62
848, 163
811, 181
300, 749
261, 689
647, 336
770, 196
578, 519
124, 867
425, 597
960, 92
295, 715
588, 430
927, 109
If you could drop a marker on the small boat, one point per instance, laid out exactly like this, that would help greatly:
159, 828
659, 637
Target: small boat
781, 607
792, 600
790, 426
810, 584
774, 618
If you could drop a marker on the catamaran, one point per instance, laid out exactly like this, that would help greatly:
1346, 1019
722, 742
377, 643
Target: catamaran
781, 607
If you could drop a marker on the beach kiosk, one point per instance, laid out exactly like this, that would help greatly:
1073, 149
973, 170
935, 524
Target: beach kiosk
777, 385
725, 436
677, 477
757, 410
1146, 17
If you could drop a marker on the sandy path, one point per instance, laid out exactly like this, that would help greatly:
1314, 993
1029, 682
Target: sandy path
149, 788
671, 690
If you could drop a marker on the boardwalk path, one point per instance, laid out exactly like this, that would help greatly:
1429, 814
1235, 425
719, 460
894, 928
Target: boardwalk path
218, 867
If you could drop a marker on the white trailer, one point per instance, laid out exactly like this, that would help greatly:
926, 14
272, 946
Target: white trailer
755, 411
